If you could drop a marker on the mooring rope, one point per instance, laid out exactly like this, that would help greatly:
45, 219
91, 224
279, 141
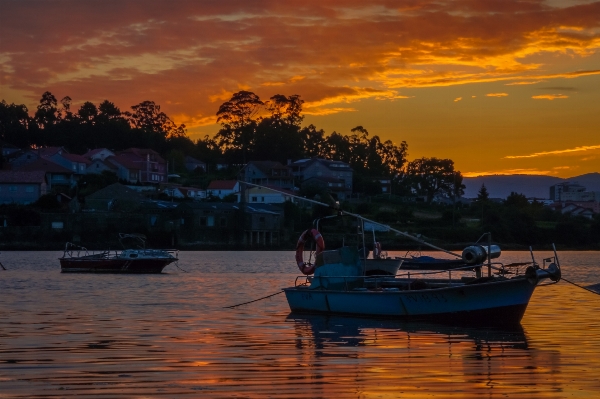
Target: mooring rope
177, 265
256, 300
579, 286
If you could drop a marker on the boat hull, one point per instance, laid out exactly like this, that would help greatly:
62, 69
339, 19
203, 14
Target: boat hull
499, 302
71, 265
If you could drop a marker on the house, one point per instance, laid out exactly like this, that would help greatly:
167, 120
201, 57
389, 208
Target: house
56, 175
99, 153
226, 222
337, 187
576, 210
335, 175
8, 149
192, 164
98, 165
22, 157
223, 188
268, 173
76, 163
140, 165
115, 198
385, 183
185, 192
22, 187
259, 195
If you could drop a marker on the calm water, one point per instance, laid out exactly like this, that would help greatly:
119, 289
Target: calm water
165, 336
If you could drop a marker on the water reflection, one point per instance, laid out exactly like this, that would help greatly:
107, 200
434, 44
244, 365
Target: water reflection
325, 330
436, 356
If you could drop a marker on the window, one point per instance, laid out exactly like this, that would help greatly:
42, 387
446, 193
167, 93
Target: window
223, 222
202, 220
253, 199
75, 167
262, 199
29, 189
12, 189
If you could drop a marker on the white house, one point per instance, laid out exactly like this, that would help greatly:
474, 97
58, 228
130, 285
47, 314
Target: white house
223, 188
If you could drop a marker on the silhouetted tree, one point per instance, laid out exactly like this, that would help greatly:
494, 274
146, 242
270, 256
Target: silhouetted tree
14, 124
238, 120
428, 176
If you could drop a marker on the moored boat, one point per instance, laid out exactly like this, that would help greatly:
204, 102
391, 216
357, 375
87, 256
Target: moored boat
338, 287
130, 260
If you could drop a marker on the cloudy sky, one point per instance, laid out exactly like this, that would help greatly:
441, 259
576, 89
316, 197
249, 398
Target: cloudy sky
499, 86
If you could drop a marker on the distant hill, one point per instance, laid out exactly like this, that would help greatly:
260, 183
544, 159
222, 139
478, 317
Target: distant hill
500, 186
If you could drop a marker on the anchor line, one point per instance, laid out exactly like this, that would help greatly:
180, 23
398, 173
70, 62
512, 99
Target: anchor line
579, 286
256, 300
177, 265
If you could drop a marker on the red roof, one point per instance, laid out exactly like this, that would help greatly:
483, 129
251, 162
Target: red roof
126, 161
22, 177
45, 165
76, 158
222, 184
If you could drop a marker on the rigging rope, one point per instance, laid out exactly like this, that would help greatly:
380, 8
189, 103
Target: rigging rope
256, 300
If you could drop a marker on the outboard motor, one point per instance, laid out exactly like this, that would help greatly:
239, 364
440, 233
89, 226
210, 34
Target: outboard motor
477, 254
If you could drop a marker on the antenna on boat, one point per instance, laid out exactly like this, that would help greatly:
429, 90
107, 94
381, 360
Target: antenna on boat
336, 206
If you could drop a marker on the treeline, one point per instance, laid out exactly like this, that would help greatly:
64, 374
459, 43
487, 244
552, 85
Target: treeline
251, 130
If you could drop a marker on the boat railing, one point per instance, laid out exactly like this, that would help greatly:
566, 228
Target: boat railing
76, 251
408, 279
157, 253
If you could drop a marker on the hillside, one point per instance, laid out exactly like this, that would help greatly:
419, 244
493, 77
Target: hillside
500, 186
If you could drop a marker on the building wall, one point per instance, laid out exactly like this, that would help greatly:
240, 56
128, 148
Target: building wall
21, 193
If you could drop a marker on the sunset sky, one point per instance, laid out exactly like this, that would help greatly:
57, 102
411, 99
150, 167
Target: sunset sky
498, 86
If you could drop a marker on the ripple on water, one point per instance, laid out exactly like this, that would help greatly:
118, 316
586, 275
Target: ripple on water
73, 335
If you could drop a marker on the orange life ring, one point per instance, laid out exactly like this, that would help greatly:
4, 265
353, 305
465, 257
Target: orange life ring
305, 267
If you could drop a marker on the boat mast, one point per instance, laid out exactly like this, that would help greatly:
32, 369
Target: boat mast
336, 207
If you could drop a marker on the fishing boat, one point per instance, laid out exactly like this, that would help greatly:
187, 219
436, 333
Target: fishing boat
338, 286
484, 291
129, 260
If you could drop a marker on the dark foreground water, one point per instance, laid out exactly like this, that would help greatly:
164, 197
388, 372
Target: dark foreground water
168, 336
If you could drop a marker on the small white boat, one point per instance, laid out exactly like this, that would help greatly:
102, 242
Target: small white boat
78, 259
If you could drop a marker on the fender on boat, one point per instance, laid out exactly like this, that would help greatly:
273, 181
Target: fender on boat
310, 234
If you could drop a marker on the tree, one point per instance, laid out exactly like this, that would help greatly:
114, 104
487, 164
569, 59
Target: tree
237, 118
14, 124
314, 141
87, 113
278, 136
428, 176
47, 113
482, 194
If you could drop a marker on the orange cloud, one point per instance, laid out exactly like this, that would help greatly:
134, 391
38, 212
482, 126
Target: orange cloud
521, 171
523, 83
556, 152
549, 96
457, 99
190, 56
496, 94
